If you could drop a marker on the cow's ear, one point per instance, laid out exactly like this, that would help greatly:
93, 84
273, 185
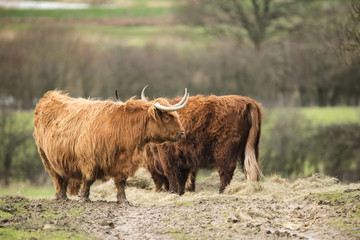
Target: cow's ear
154, 112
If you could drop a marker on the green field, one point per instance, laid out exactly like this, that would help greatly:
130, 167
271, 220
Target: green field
25, 190
332, 115
90, 13
318, 115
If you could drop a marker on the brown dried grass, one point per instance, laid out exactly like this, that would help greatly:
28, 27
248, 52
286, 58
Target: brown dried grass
140, 189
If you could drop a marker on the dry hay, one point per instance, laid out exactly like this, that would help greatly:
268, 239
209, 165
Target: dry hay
140, 189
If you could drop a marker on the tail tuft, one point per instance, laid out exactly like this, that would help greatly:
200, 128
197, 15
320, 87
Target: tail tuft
251, 163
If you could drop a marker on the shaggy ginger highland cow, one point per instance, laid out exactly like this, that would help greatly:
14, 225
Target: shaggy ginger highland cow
84, 140
220, 131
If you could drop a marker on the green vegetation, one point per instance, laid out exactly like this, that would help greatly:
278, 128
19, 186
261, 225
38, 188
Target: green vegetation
5, 214
90, 13
318, 116
28, 191
178, 36
184, 236
10, 233
185, 203
174, 36
331, 115
26, 220
337, 198
348, 202
301, 141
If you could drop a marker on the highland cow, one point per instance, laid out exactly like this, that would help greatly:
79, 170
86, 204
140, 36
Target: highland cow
220, 131
83, 140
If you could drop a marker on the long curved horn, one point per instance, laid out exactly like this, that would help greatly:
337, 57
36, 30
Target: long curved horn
143, 94
172, 108
116, 95
182, 100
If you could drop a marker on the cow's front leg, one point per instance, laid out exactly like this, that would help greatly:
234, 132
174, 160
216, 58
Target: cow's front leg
85, 189
177, 181
121, 197
173, 185
60, 185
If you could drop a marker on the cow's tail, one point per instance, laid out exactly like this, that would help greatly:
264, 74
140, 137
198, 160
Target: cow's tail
251, 162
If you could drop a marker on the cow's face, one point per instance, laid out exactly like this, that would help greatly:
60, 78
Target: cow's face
164, 126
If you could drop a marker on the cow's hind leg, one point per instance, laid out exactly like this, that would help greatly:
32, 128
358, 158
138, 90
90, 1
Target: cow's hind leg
159, 180
60, 184
190, 184
226, 168
120, 185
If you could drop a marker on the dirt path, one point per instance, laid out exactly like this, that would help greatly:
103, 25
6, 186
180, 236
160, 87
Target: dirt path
245, 211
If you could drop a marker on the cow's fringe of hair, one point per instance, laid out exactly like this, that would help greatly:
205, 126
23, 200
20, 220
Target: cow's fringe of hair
251, 163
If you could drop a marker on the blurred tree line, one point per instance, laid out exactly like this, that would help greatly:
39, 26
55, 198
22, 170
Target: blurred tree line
279, 52
292, 53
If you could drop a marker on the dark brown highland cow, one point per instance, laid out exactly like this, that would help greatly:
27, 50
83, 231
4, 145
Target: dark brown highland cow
219, 132
84, 140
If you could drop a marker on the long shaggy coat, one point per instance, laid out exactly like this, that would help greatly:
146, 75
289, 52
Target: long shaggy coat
220, 131
85, 140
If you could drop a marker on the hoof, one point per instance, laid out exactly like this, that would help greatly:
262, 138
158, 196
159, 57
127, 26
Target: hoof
61, 197
123, 202
84, 196
84, 199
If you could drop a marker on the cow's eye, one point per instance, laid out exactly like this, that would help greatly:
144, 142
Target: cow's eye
167, 118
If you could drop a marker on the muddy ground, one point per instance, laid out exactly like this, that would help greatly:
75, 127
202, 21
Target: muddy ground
317, 207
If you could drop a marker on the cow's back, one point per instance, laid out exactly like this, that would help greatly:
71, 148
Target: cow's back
67, 130
210, 122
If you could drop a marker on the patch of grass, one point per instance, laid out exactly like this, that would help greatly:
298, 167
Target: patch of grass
51, 214
76, 211
5, 214
346, 226
337, 198
345, 202
10, 233
203, 174
331, 115
183, 236
175, 36
185, 203
28, 191
319, 116
90, 13
179, 236
28, 219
